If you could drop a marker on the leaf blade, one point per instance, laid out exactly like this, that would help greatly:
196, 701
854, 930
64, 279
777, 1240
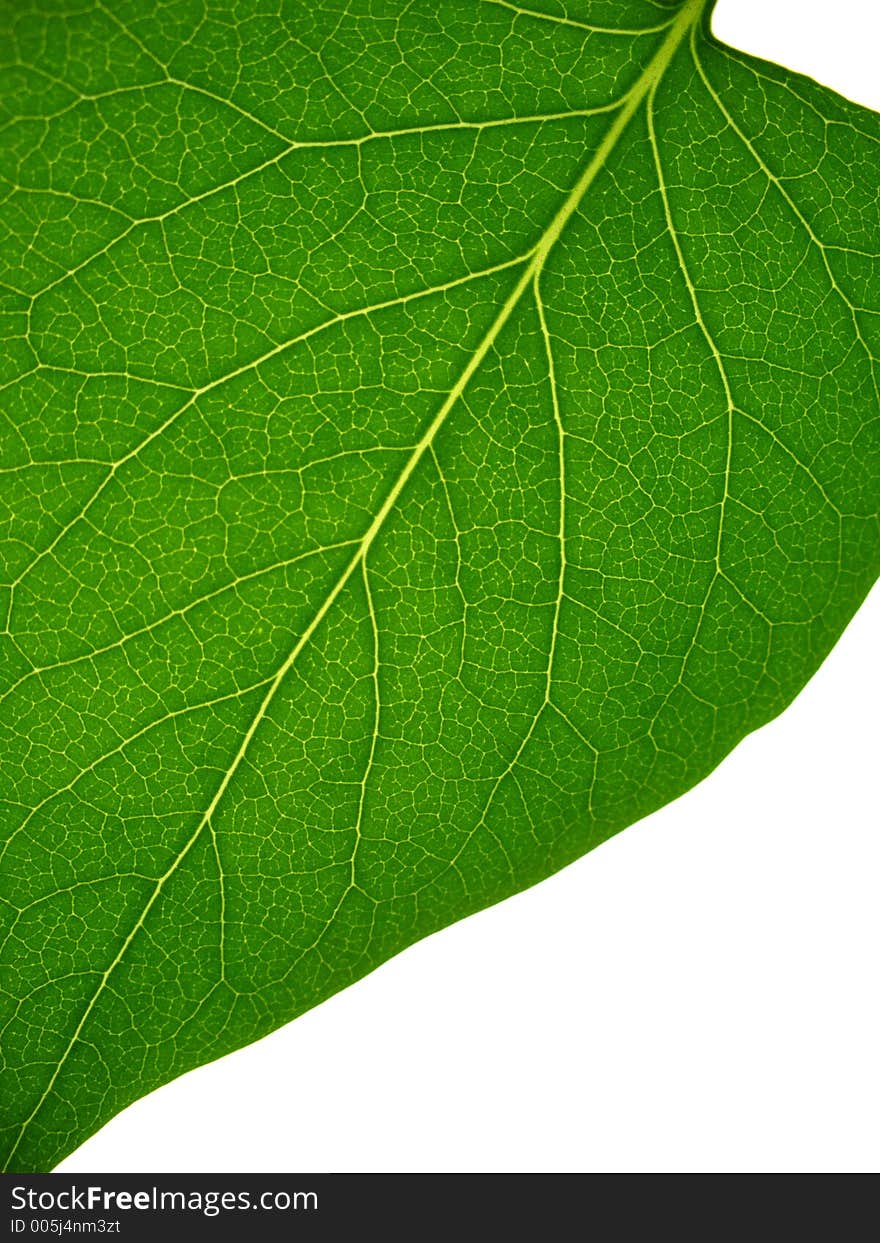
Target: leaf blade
480, 705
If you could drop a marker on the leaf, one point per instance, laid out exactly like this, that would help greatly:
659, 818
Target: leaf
433, 437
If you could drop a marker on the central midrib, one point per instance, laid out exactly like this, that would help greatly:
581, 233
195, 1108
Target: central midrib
688, 16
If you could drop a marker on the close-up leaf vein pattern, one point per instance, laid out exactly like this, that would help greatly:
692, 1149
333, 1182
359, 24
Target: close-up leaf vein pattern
433, 435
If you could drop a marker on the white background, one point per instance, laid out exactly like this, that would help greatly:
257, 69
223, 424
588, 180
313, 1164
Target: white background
699, 994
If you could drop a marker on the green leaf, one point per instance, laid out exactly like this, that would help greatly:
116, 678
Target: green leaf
433, 436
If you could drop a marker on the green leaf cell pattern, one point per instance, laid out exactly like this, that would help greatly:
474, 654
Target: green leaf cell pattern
433, 434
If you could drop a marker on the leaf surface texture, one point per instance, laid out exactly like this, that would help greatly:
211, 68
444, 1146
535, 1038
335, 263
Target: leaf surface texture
433, 434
